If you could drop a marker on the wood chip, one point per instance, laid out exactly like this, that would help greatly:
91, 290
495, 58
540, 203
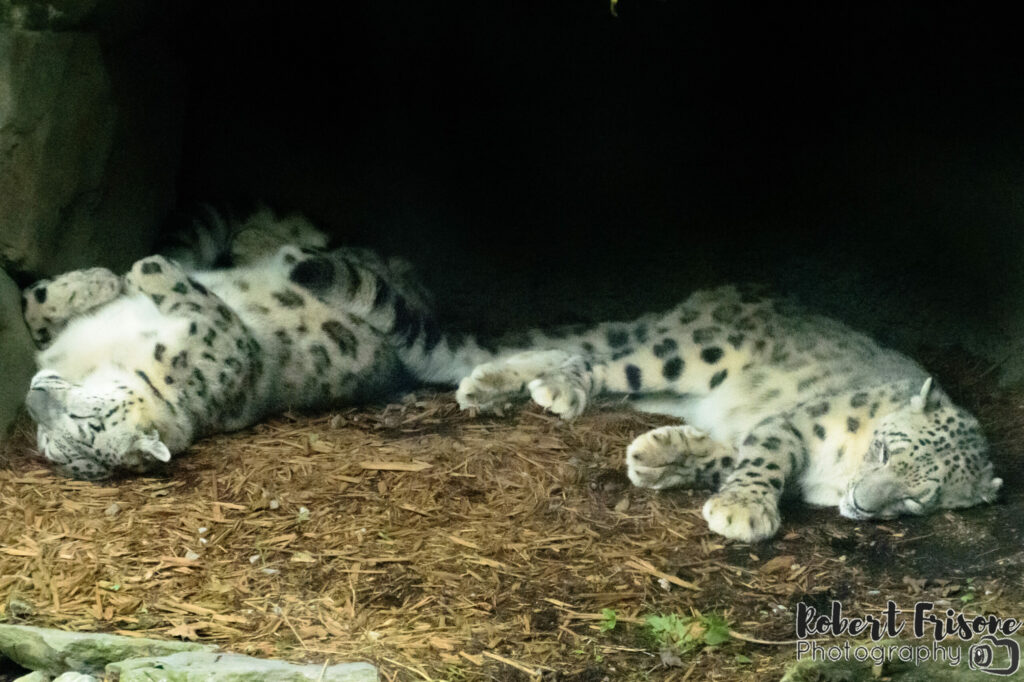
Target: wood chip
647, 567
414, 465
465, 543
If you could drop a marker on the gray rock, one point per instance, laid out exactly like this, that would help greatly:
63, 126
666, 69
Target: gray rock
89, 145
54, 14
36, 676
39, 676
75, 677
16, 354
112, 18
76, 655
56, 652
206, 666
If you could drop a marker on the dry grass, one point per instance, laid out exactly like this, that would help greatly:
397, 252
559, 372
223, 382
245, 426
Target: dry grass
445, 546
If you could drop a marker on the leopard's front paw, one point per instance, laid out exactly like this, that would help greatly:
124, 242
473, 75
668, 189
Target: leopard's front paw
156, 276
491, 387
48, 305
742, 515
559, 393
261, 235
660, 459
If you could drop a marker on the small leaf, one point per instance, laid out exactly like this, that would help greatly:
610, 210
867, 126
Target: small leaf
717, 630
609, 619
740, 658
716, 636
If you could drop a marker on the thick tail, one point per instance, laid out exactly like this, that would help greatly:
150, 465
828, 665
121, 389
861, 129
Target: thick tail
391, 298
203, 242
449, 357
212, 240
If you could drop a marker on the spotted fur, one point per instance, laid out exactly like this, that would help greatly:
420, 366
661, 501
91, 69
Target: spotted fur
776, 401
134, 368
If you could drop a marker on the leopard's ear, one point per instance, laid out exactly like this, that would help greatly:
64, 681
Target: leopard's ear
47, 397
919, 402
150, 444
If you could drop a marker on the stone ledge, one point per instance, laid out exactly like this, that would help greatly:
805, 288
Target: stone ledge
202, 666
74, 656
56, 651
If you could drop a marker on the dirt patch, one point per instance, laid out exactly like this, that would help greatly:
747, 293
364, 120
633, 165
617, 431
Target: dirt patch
440, 545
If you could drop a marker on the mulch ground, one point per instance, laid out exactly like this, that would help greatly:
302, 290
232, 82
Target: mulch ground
446, 546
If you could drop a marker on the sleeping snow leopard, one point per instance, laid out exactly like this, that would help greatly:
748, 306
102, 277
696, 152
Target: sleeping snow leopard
776, 401
135, 368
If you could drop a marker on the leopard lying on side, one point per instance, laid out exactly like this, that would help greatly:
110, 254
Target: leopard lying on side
135, 368
775, 402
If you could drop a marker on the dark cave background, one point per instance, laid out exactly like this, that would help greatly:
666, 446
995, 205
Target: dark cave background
546, 162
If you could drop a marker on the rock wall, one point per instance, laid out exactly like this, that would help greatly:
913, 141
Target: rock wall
90, 134
91, 110
16, 354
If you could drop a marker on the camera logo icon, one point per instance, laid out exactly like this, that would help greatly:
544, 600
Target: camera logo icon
982, 656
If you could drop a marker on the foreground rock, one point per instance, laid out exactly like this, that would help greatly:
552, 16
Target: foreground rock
202, 666
56, 652
66, 677
36, 677
129, 659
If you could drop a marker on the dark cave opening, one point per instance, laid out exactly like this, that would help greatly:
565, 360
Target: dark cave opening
543, 162
549, 163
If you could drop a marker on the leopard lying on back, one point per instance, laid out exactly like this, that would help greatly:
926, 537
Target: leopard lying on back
775, 402
135, 368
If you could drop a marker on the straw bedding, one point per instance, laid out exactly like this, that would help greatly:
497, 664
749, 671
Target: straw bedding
443, 545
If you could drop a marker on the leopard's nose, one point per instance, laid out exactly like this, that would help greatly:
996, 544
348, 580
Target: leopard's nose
875, 492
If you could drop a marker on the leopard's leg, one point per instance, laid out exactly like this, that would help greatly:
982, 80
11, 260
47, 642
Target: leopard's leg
560, 381
357, 279
746, 507
338, 276
177, 294
263, 233
48, 305
678, 456
215, 241
216, 361
694, 349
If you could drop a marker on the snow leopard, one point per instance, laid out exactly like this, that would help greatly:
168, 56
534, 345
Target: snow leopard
775, 402
134, 368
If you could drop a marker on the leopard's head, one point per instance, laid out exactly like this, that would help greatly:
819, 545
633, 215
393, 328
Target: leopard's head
928, 455
89, 431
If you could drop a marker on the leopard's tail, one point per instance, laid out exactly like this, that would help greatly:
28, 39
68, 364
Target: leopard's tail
203, 242
388, 295
446, 357
212, 240
437, 357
